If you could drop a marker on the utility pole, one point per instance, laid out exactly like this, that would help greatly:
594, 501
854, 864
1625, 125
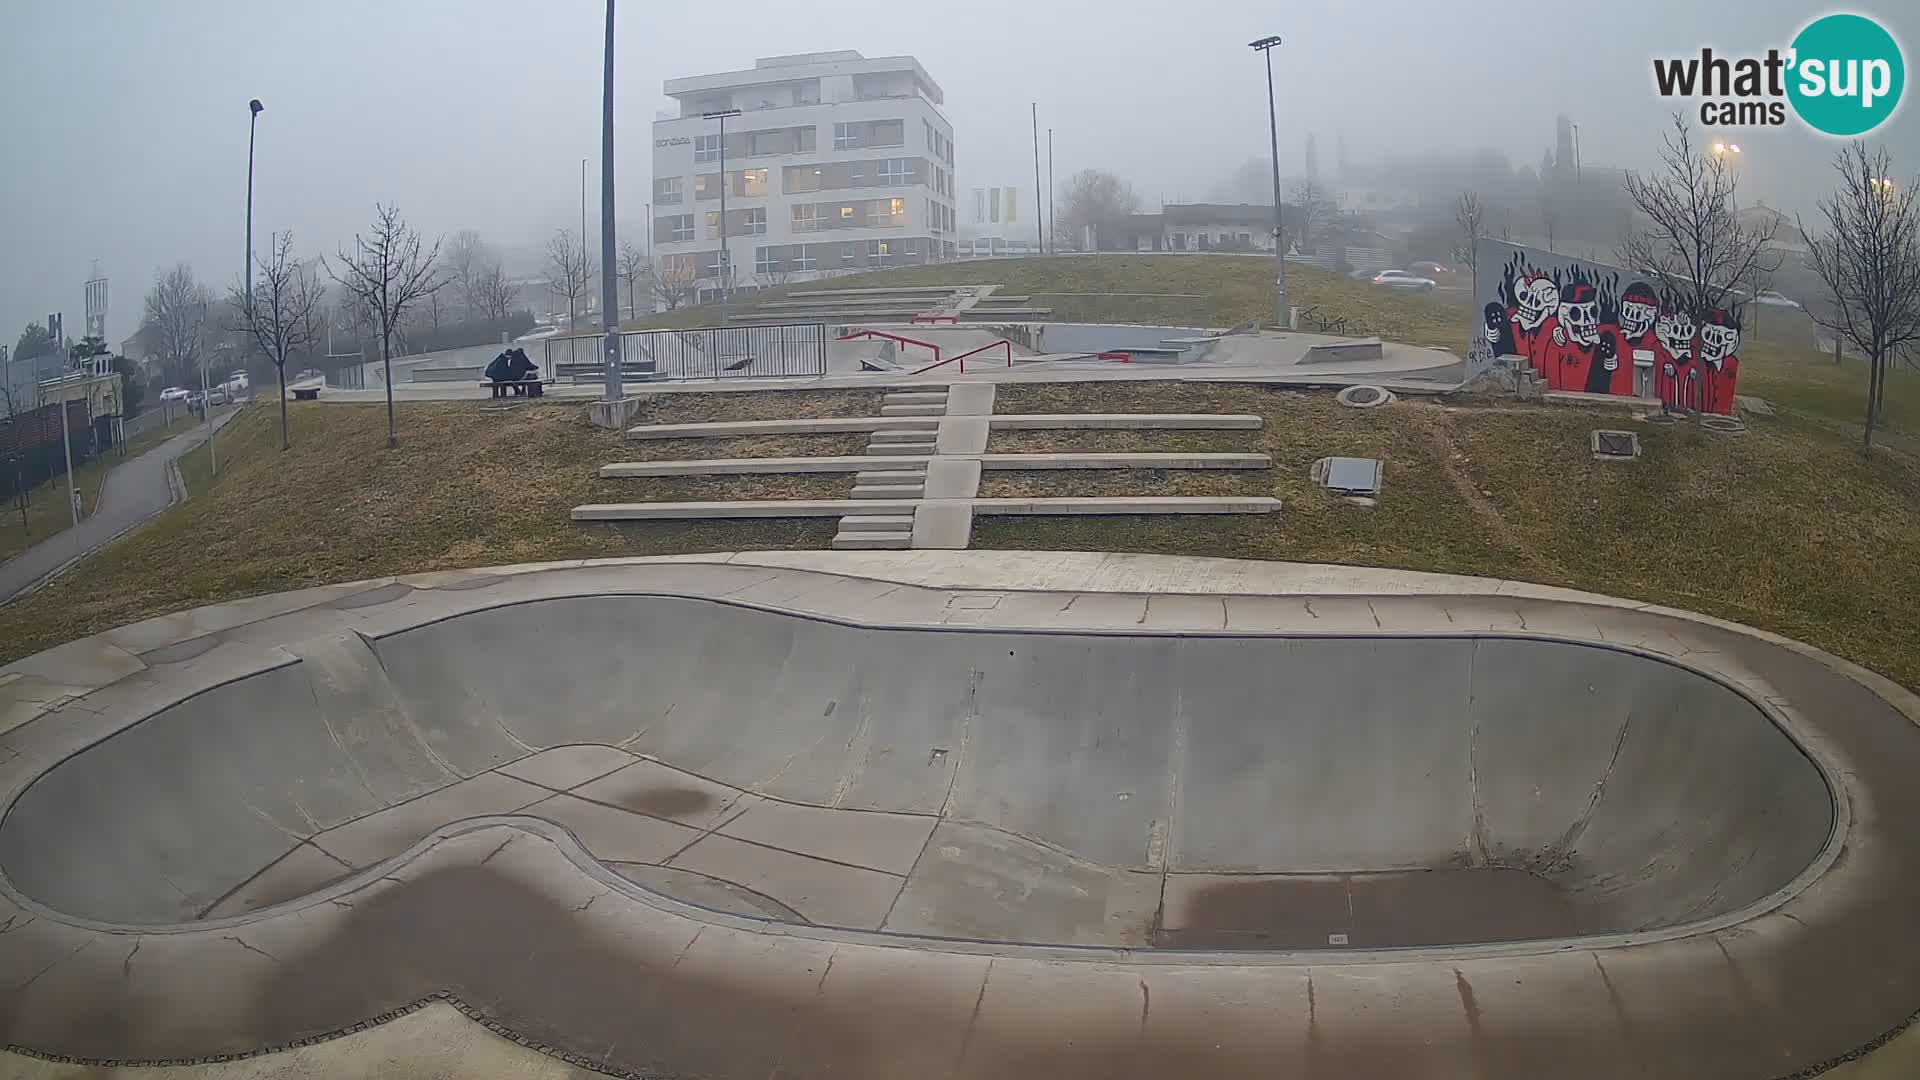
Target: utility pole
1051, 231
1039, 219
723, 279
56, 332
575, 329
1282, 315
609, 273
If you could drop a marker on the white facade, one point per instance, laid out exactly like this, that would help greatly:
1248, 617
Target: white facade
836, 163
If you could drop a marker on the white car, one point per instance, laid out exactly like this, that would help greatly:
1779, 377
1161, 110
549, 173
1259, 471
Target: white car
1400, 279
174, 394
237, 382
1774, 299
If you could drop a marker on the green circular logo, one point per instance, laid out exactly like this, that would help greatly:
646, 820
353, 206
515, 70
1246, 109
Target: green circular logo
1847, 74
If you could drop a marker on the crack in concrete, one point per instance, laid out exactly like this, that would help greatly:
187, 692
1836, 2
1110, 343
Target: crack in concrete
503, 846
56, 962
1310, 612
126, 966
235, 938
1376, 616
973, 1019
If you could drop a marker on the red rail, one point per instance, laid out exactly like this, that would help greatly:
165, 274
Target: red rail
895, 337
1123, 357
962, 358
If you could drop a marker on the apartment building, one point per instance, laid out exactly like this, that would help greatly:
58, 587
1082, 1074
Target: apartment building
835, 163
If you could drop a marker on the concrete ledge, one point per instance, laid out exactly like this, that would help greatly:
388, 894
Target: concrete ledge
1605, 401
816, 426
1013, 462
1164, 421
1159, 504
1331, 352
614, 414
907, 463
750, 508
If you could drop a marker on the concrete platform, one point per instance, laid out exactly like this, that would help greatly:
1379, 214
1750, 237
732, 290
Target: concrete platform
893, 427
791, 508
883, 814
1114, 421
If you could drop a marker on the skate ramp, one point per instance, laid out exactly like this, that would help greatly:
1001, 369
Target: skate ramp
1181, 791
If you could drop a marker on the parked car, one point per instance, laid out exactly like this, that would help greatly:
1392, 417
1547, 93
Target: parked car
218, 395
237, 383
1774, 299
1400, 279
174, 394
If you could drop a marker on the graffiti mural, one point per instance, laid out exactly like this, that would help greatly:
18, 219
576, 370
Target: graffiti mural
1598, 329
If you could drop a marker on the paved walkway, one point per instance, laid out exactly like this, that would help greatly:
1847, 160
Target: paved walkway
134, 491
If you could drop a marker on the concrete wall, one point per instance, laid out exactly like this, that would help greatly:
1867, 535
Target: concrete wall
1652, 795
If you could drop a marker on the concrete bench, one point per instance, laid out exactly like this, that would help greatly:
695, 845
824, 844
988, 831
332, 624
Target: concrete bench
306, 393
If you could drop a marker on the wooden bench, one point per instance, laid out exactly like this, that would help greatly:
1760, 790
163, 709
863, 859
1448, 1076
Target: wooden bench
305, 393
520, 387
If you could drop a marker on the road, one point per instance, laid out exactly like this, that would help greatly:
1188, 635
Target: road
134, 491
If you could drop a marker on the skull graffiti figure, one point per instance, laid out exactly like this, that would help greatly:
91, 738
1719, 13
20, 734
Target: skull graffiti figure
1638, 310
1719, 338
1538, 298
1676, 333
1579, 315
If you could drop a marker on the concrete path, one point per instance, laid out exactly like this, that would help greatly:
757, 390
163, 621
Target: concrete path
134, 491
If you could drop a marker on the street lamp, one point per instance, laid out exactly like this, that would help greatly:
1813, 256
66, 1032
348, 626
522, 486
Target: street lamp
254, 109
720, 270
609, 280
1266, 45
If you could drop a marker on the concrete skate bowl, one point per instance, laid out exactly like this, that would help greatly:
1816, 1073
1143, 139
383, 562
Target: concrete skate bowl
1140, 790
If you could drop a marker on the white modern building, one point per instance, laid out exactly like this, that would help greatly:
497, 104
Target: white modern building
835, 163
999, 221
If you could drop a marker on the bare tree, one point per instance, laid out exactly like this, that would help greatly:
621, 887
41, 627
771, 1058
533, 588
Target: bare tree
1092, 197
285, 315
1869, 257
1471, 215
176, 308
1315, 207
467, 258
14, 456
1690, 237
673, 282
570, 272
633, 268
492, 293
389, 271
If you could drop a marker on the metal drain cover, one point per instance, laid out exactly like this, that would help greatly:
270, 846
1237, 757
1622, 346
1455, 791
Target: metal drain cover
1353, 475
1364, 395
1615, 445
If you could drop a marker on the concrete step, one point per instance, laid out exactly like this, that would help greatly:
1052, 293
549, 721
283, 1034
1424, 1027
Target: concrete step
876, 523
900, 449
888, 491
873, 541
901, 436
891, 476
741, 508
915, 397
914, 410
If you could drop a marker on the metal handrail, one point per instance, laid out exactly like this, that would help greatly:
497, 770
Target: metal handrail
962, 358
896, 337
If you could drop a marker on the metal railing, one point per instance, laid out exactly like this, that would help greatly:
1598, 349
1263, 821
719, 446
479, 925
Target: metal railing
884, 336
962, 358
777, 350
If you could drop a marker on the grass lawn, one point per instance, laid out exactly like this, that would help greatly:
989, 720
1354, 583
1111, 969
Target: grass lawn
1164, 290
47, 512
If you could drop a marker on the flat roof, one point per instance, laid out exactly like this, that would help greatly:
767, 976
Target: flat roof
781, 69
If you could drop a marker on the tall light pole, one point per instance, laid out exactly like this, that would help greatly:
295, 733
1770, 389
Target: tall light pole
722, 277
254, 109
609, 273
1051, 231
1039, 219
1266, 45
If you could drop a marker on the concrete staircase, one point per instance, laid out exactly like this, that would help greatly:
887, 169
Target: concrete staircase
868, 532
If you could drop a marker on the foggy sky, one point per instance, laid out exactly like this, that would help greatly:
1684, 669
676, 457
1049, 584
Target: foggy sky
125, 123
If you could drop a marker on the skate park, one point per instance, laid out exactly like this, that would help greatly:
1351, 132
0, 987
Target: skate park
955, 813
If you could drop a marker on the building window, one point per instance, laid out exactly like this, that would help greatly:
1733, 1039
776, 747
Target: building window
753, 183
896, 171
681, 226
713, 224
706, 186
754, 222
878, 251
845, 137
706, 148
803, 257
802, 178
666, 190
887, 133
846, 214
806, 218
766, 260
846, 253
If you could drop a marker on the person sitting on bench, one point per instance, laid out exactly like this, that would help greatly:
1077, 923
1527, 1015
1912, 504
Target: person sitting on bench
521, 369
499, 372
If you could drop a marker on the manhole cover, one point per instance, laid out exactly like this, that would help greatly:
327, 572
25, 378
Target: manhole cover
1363, 397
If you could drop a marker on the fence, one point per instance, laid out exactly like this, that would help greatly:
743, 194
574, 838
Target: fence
780, 350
